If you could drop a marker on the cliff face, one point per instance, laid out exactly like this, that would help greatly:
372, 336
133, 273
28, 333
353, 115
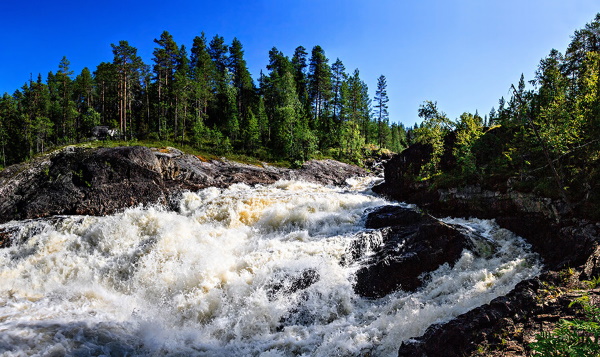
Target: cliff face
565, 243
561, 239
101, 181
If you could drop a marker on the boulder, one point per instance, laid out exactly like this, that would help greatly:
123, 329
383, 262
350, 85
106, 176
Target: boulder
413, 244
462, 335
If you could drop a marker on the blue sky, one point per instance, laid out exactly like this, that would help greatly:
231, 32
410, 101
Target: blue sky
464, 54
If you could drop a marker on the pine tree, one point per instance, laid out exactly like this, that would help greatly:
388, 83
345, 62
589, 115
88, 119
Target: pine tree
165, 59
220, 106
242, 80
299, 64
14, 144
218, 53
381, 111
338, 72
203, 82
3, 137
84, 90
293, 138
128, 66
264, 125
182, 93
357, 106
270, 85
106, 80
319, 91
65, 112
251, 133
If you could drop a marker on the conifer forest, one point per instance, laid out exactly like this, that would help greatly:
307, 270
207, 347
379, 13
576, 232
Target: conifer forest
204, 98
544, 135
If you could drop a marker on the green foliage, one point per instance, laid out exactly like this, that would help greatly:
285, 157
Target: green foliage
205, 101
575, 338
432, 131
545, 137
468, 130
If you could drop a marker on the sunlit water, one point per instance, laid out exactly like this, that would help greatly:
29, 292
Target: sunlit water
217, 278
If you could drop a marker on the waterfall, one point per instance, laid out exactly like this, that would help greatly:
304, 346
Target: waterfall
242, 271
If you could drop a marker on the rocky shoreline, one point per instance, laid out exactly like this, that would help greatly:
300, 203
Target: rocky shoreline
569, 247
85, 181
102, 181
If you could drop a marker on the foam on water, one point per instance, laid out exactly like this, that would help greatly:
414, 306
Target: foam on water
226, 276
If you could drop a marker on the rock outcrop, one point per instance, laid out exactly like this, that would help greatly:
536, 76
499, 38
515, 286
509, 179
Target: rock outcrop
413, 243
560, 239
565, 243
78, 180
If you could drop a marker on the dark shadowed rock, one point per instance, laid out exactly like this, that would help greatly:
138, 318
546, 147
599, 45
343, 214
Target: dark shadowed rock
78, 180
413, 244
291, 283
462, 335
561, 239
401, 169
387, 216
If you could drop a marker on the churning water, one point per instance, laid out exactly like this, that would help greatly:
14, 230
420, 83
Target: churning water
243, 271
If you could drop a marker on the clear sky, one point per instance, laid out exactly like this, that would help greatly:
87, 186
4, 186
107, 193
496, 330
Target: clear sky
464, 54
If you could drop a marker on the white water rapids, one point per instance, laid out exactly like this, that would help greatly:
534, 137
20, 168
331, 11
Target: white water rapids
217, 278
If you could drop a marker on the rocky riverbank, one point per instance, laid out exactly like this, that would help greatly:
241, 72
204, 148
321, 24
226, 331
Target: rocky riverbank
569, 247
102, 181
78, 180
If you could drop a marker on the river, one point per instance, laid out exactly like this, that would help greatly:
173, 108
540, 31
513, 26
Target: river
242, 271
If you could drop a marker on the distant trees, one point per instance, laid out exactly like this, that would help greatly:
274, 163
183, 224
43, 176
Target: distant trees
206, 98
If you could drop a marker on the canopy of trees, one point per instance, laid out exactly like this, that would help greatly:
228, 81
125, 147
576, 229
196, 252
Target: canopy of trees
206, 98
546, 138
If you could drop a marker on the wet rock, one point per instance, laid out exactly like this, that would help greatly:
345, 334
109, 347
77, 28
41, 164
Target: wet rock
289, 284
462, 335
561, 240
564, 241
401, 169
387, 216
19, 232
8, 235
327, 172
361, 244
78, 180
414, 244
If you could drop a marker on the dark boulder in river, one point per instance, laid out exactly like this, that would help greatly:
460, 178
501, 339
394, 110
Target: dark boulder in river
78, 180
413, 244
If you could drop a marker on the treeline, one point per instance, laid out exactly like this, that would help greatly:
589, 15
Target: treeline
546, 139
205, 98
